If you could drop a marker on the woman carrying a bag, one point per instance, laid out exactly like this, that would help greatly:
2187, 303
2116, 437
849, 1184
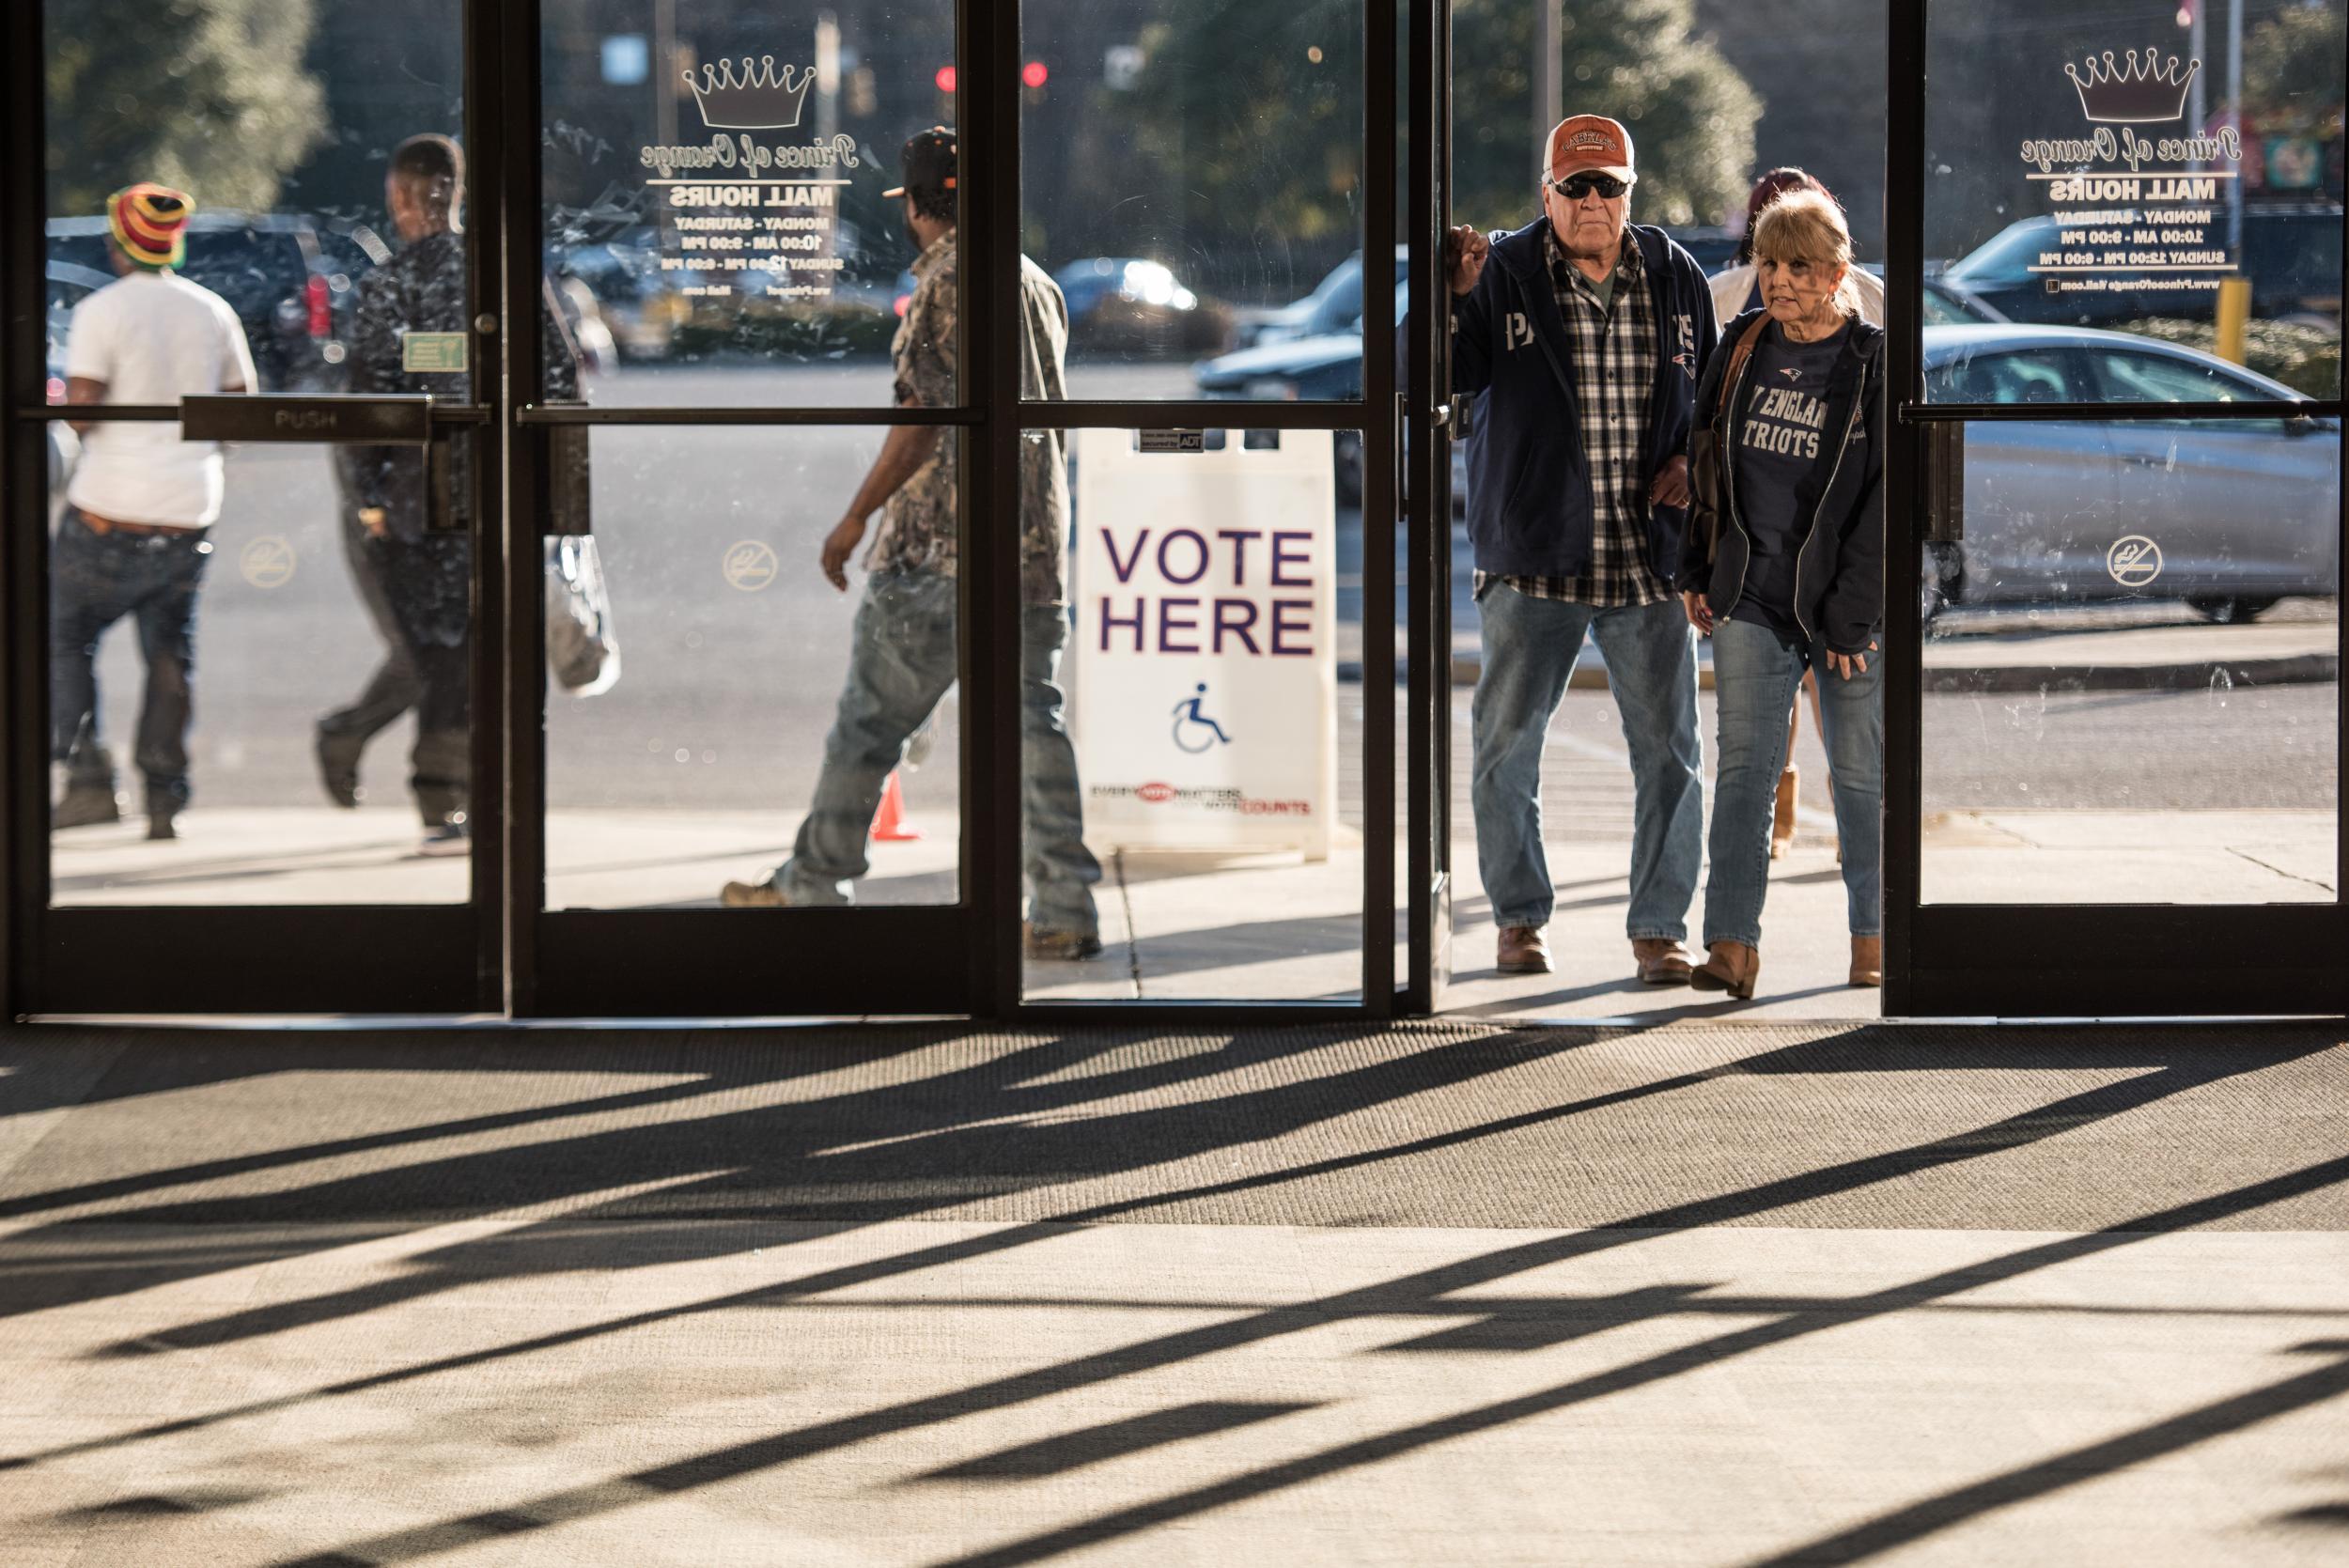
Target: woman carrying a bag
1785, 572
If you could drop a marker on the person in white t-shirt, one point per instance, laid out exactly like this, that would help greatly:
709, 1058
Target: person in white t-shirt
132, 540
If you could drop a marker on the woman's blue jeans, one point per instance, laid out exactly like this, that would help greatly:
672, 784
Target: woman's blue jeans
1756, 674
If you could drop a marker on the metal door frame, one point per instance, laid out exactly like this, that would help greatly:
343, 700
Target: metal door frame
996, 130
422, 958
676, 963
1427, 506
1975, 960
502, 952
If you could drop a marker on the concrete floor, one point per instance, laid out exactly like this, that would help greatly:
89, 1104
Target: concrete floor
1447, 1294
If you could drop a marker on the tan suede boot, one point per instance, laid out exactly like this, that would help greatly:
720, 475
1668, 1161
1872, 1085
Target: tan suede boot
1731, 966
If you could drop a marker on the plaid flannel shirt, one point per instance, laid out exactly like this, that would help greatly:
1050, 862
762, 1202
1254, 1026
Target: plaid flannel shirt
1613, 351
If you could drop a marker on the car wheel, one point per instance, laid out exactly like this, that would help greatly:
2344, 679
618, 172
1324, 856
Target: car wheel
1350, 455
1940, 580
2229, 611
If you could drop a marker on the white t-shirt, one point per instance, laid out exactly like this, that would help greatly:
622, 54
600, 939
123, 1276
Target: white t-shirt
153, 337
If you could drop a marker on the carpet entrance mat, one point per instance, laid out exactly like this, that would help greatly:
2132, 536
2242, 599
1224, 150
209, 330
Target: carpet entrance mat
1436, 1124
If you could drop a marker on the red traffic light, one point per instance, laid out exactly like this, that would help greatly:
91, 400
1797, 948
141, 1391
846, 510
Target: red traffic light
945, 79
1033, 74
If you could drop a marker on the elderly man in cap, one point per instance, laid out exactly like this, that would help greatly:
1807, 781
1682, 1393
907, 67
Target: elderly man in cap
1585, 333
132, 540
903, 657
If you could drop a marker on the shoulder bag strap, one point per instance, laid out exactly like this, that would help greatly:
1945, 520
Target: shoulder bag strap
1741, 351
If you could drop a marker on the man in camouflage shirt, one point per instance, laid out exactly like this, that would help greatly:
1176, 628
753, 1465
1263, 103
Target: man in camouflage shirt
903, 657
408, 511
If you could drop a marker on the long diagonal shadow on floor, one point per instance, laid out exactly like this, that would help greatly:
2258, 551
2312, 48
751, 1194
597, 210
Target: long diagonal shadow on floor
1906, 1526
1096, 1445
2217, 1419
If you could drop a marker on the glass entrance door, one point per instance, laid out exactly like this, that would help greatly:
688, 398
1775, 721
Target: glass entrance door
1433, 419
2115, 707
768, 808
252, 475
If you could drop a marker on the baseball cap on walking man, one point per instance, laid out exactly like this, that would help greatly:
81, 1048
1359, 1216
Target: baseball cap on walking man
149, 221
929, 161
1588, 144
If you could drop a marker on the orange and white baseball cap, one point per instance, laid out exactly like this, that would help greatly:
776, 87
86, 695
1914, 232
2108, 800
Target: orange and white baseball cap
1588, 144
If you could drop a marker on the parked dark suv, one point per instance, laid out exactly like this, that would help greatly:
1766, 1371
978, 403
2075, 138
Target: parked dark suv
2292, 255
293, 288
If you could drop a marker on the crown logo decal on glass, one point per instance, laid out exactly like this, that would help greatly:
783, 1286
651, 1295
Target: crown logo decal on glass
753, 95
2141, 90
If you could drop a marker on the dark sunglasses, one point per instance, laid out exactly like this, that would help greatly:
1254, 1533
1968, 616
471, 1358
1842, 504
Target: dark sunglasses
1575, 187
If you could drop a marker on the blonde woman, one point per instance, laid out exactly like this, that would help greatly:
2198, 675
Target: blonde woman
1784, 571
1737, 288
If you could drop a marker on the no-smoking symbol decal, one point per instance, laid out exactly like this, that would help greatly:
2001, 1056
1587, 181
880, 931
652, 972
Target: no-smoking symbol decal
749, 566
268, 562
2133, 560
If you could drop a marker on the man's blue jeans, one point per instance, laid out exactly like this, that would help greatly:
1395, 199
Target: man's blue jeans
900, 663
1531, 645
1756, 673
95, 580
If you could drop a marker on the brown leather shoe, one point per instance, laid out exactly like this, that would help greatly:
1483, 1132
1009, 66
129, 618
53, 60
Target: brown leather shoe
1523, 951
1662, 961
1867, 960
1731, 967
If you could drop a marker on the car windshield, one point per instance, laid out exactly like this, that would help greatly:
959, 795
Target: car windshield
1338, 301
2008, 255
251, 271
1942, 311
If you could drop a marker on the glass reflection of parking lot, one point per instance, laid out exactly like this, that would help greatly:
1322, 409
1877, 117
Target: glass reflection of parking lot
2131, 680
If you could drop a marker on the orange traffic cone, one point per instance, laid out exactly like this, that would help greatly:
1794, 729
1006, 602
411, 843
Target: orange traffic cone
889, 822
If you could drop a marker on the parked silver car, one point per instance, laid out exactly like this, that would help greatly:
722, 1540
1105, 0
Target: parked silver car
2237, 514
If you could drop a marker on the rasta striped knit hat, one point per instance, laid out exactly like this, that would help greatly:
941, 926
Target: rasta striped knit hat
149, 221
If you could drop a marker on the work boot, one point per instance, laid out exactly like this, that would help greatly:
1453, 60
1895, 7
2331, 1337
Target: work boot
1731, 967
752, 896
86, 805
339, 767
1060, 946
1867, 960
1523, 950
1660, 960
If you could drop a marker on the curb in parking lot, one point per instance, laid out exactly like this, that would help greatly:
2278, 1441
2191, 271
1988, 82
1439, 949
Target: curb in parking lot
2297, 670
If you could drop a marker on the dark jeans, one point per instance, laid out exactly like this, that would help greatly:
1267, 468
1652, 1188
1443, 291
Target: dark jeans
395, 688
95, 580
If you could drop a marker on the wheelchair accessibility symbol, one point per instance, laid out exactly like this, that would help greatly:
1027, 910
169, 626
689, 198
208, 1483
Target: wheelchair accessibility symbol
1194, 732
2134, 561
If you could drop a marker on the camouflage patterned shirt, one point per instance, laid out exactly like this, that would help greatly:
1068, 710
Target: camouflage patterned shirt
919, 530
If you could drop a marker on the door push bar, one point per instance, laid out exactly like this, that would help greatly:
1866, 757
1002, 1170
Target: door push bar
392, 420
